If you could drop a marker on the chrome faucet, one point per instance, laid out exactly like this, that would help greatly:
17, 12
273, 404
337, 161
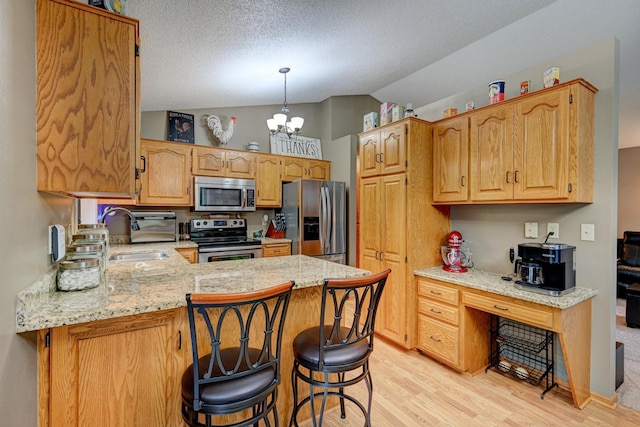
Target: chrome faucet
111, 210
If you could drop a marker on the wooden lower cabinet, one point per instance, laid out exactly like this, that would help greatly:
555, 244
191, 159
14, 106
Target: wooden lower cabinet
439, 339
127, 371
383, 246
276, 249
117, 372
190, 254
438, 322
453, 324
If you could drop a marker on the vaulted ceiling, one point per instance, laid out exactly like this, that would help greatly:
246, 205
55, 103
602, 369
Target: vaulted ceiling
222, 53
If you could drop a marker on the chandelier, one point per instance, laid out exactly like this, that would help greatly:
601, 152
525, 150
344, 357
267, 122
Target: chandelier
280, 122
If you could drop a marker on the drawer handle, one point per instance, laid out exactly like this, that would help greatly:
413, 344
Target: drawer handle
435, 311
500, 308
435, 339
435, 293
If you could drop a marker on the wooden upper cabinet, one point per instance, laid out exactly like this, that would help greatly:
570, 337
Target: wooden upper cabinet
369, 154
87, 103
166, 177
541, 145
268, 182
300, 168
536, 148
383, 151
450, 160
211, 161
491, 154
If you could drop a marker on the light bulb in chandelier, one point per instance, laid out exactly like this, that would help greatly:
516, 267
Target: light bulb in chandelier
280, 122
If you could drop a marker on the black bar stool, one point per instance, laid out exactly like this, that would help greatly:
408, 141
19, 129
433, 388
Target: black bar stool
236, 340
335, 355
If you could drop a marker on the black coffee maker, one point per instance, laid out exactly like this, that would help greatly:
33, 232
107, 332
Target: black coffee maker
546, 268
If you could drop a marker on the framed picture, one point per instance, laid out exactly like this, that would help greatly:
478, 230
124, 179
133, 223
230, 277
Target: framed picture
180, 127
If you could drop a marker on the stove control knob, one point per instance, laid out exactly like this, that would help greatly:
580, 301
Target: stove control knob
204, 223
235, 222
197, 223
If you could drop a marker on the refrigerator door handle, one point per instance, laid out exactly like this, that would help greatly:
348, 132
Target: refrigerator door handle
322, 219
330, 223
326, 219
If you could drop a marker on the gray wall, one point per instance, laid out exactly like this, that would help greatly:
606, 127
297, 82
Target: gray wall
328, 120
491, 230
628, 190
25, 213
335, 121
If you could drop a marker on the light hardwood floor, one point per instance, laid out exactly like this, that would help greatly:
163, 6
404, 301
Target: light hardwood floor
411, 389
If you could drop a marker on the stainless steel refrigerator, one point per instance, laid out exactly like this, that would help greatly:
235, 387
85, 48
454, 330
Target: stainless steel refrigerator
315, 213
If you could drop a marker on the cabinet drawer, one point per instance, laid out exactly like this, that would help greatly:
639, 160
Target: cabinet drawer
529, 313
279, 249
439, 339
437, 310
438, 292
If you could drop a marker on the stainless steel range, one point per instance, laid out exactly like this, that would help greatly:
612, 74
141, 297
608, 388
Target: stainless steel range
223, 239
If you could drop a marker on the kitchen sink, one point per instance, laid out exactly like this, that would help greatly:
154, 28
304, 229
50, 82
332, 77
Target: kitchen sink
138, 256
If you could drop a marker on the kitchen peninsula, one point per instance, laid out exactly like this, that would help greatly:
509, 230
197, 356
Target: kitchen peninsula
117, 352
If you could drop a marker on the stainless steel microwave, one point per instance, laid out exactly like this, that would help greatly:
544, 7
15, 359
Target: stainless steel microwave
224, 194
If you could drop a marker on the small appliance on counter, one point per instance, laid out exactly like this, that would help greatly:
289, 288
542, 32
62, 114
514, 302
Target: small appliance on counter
546, 268
154, 226
456, 258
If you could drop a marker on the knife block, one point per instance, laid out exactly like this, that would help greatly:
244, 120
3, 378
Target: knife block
271, 232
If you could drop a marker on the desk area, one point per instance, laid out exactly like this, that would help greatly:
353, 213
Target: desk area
454, 312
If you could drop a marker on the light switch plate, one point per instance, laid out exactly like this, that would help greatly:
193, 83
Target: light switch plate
588, 232
531, 230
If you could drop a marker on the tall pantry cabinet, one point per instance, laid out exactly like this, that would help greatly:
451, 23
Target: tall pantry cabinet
398, 226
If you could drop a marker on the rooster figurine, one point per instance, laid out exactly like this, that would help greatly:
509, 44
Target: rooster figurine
224, 136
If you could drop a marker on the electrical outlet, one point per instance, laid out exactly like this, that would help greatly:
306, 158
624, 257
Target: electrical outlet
555, 228
531, 230
588, 232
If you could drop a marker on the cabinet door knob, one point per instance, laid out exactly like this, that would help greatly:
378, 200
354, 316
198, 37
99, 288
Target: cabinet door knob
515, 177
462, 180
507, 177
144, 164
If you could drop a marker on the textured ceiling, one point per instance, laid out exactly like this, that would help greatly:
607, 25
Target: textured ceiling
207, 54
221, 53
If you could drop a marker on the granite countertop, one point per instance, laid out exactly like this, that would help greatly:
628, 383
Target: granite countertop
267, 240
492, 282
147, 286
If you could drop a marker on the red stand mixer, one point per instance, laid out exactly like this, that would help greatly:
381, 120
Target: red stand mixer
456, 259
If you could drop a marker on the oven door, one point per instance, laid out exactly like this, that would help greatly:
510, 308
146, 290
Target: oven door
229, 253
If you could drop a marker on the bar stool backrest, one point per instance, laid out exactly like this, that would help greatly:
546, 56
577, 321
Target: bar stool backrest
250, 321
349, 306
